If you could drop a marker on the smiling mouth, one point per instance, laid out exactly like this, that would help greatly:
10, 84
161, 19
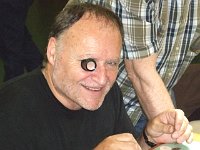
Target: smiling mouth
92, 88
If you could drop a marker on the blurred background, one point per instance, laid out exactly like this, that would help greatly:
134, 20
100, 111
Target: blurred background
39, 20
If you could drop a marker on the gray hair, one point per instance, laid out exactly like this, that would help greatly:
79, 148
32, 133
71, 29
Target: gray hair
74, 12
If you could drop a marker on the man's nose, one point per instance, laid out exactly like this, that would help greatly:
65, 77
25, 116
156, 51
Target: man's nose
100, 75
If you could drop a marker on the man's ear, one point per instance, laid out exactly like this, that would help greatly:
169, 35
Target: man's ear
51, 50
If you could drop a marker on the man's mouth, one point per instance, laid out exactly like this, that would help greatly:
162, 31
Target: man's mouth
92, 88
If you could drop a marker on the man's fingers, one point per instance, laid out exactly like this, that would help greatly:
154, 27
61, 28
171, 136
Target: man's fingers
123, 141
183, 127
190, 139
180, 119
157, 128
186, 136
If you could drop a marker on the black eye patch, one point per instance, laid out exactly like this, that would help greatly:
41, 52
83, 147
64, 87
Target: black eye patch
88, 64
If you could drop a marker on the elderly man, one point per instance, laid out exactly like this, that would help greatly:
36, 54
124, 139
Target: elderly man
73, 102
159, 44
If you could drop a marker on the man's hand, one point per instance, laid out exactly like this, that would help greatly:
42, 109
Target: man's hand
170, 126
123, 141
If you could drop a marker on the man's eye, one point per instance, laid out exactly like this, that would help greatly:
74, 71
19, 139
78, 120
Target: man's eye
88, 64
113, 63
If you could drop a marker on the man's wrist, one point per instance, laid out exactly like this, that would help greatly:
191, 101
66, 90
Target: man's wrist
149, 142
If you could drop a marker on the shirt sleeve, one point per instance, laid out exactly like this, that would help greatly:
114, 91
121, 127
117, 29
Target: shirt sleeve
139, 19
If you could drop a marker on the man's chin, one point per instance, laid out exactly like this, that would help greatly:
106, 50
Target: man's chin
92, 107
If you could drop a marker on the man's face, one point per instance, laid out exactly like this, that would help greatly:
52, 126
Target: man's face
74, 87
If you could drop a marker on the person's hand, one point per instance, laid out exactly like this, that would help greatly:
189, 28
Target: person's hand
170, 126
123, 141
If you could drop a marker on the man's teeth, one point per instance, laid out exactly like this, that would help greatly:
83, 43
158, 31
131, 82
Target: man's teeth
93, 89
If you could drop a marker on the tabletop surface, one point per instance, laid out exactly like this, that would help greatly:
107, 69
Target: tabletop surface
195, 145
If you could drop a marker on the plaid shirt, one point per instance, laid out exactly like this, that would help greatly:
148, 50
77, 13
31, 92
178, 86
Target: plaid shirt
166, 27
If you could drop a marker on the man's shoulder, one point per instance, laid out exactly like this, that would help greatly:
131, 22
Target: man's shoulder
20, 82
20, 87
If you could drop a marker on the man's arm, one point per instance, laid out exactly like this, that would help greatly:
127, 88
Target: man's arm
168, 127
149, 87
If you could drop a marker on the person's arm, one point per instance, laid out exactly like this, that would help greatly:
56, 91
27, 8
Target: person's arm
168, 127
149, 87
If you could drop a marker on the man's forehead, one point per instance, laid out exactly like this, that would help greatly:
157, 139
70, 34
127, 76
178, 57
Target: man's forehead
88, 27
100, 22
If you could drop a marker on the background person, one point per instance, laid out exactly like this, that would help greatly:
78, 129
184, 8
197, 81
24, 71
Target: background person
17, 49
